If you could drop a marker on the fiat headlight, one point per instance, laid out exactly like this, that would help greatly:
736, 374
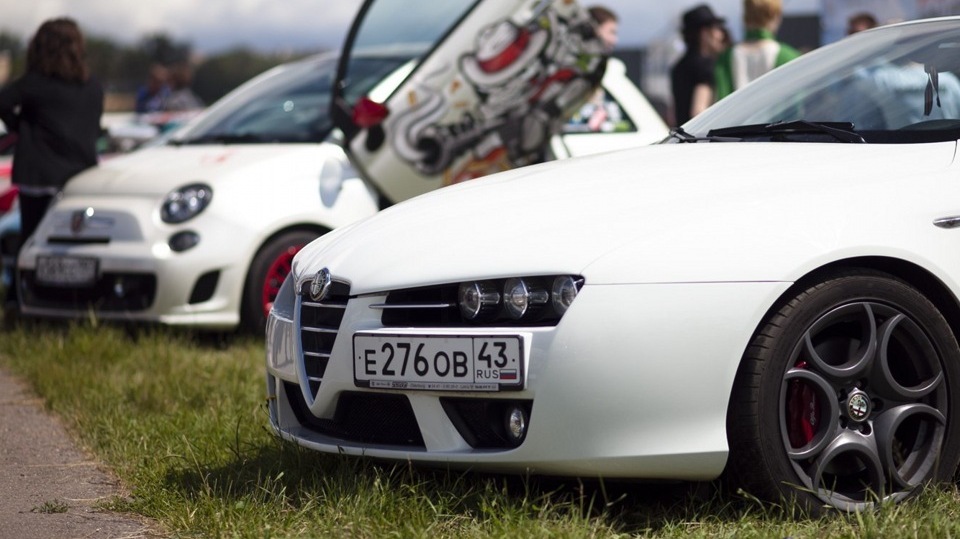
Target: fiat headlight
185, 203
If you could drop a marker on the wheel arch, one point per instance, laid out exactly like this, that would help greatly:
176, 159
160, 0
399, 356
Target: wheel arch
920, 278
319, 230
914, 275
314, 228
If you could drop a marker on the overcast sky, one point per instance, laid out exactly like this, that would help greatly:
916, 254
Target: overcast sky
211, 25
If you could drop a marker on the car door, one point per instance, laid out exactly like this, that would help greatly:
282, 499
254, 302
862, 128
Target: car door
482, 87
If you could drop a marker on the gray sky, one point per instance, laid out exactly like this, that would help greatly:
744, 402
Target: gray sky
212, 25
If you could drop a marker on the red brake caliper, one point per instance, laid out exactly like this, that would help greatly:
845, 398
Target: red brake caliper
803, 411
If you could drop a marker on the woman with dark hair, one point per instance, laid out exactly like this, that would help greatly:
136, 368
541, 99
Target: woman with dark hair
54, 109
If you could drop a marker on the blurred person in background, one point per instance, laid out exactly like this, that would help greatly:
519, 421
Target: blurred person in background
607, 25
860, 22
54, 109
691, 78
181, 97
758, 53
152, 96
594, 113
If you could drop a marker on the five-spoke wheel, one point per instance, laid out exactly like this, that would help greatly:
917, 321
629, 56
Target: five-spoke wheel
844, 398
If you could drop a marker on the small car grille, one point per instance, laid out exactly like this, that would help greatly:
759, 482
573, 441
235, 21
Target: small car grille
111, 293
319, 324
368, 418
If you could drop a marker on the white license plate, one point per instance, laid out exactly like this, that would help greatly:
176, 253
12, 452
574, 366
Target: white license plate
66, 271
439, 363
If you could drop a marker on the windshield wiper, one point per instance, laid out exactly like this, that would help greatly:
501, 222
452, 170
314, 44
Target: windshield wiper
683, 136
222, 138
841, 131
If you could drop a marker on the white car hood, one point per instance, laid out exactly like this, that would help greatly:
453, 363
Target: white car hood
678, 212
158, 170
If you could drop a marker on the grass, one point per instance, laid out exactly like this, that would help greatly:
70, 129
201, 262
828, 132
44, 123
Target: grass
182, 422
50, 507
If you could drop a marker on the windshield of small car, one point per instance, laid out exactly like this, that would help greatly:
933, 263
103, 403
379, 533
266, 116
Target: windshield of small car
288, 104
891, 85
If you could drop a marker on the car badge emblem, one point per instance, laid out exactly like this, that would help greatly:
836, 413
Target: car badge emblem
78, 220
320, 285
858, 407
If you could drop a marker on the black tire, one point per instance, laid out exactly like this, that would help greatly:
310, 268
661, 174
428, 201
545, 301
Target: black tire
847, 395
265, 276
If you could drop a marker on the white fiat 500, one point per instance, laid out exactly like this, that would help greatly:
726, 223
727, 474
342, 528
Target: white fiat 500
772, 294
200, 230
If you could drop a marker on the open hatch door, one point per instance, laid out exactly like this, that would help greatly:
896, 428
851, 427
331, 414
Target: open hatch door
481, 87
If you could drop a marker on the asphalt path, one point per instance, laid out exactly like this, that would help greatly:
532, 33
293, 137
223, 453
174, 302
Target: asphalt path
49, 487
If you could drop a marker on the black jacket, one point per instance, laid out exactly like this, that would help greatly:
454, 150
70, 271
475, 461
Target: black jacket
58, 124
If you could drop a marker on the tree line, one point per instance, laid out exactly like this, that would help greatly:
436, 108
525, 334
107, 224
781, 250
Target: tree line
122, 68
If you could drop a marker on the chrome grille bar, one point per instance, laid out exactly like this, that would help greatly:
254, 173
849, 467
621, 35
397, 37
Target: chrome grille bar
385, 306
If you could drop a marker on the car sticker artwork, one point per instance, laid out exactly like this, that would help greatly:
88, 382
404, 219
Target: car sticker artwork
507, 97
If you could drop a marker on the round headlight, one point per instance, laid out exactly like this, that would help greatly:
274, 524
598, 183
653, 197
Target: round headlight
185, 203
519, 297
477, 298
564, 292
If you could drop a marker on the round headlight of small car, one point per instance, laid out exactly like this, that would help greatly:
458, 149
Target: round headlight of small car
564, 292
477, 298
519, 297
185, 203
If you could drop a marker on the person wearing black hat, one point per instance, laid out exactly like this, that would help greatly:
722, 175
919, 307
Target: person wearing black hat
692, 77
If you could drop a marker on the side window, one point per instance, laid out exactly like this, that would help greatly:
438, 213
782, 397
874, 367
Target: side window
600, 114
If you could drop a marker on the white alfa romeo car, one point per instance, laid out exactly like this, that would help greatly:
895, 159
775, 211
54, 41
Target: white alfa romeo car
772, 294
200, 230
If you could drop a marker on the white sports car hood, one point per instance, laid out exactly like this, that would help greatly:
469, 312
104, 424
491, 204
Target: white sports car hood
158, 170
667, 213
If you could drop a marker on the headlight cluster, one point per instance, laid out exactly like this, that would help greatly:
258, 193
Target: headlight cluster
185, 203
518, 298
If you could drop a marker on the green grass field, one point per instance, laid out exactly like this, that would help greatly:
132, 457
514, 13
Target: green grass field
181, 420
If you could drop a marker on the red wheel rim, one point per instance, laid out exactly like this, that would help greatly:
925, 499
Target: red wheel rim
276, 273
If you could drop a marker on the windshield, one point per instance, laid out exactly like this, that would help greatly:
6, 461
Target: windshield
891, 85
286, 104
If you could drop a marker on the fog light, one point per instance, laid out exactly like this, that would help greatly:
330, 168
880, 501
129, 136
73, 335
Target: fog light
519, 297
516, 424
181, 241
477, 298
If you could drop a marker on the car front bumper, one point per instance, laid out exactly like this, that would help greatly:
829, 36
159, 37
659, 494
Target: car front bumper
633, 382
139, 277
